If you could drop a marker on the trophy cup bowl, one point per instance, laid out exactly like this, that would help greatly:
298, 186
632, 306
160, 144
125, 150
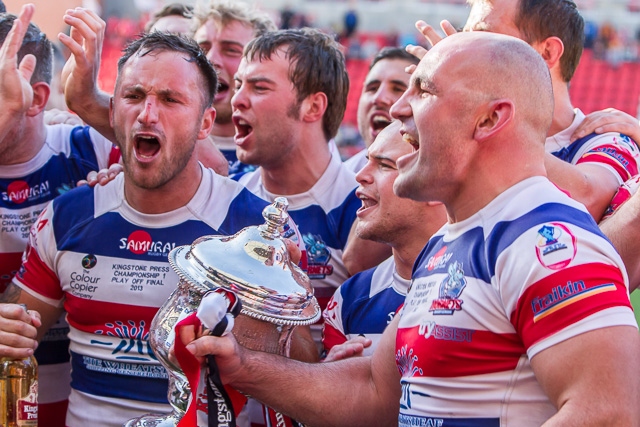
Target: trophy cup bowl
254, 264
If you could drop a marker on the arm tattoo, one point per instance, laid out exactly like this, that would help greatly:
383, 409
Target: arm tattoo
12, 294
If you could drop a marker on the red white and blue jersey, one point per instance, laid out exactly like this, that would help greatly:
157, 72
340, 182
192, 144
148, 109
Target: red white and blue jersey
106, 264
67, 156
491, 292
364, 305
614, 151
624, 193
324, 216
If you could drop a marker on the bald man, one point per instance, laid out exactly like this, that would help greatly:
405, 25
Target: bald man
518, 312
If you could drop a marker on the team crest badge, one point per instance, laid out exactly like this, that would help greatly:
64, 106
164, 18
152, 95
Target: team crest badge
556, 246
318, 255
451, 287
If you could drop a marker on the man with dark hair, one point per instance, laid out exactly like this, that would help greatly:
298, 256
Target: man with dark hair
518, 313
365, 304
223, 28
383, 85
38, 162
101, 253
590, 168
291, 92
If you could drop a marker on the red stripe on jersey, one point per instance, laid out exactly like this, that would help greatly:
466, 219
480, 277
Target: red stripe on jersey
331, 336
114, 155
566, 297
92, 315
36, 275
9, 265
448, 352
618, 158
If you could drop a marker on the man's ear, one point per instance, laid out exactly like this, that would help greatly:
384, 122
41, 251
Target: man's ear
41, 92
313, 107
207, 122
498, 114
551, 50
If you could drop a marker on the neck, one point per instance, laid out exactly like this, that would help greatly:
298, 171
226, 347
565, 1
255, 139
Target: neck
563, 113
223, 129
24, 141
172, 195
406, 253
299, 171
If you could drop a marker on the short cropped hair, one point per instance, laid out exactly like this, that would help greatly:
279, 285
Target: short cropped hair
392, 52
161, 42
36, 43
540, 19
316, 65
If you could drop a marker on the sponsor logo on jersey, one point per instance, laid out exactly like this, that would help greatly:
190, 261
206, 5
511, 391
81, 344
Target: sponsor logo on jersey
446, 333
134, 340
451, 287
318, 256
19, 192
439, 260
89, 261
564, 295
406, 361
556, 246
140, 242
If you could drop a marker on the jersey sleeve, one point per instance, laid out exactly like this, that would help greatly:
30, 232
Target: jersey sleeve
617, 152
333, 328
561, 281
37, 273
624, 193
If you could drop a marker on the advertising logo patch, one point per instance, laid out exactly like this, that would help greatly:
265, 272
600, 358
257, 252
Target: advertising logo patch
19, 192
448, 300
556, 246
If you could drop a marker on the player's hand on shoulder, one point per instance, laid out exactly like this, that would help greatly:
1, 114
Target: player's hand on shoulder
608, 120
55, 116
103, 176
351, 348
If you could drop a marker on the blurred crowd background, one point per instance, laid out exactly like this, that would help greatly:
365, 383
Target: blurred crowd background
608, 74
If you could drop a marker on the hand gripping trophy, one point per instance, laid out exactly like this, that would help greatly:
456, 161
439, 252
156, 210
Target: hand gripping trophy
249, 273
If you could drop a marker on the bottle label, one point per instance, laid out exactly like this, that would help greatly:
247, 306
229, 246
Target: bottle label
28, 407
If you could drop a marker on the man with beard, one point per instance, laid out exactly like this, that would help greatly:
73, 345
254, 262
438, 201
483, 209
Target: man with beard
101, 253
223, 28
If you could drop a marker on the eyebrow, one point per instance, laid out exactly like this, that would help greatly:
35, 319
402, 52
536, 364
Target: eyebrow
394, 81
252, 80
380, 157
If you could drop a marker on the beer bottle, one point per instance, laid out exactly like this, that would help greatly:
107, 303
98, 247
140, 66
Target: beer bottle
18, 392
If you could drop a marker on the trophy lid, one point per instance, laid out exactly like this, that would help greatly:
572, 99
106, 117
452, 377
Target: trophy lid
255, 265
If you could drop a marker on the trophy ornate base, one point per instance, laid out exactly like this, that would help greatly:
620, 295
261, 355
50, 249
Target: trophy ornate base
154, 420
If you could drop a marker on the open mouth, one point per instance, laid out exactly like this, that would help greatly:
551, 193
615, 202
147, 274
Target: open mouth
223, 87
367, 202
243, 129
379, 122
146, 146
411, 140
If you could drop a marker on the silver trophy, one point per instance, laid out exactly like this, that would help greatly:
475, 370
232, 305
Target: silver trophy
254, 264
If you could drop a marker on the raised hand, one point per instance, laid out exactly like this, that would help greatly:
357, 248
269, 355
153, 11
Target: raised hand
16, 93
